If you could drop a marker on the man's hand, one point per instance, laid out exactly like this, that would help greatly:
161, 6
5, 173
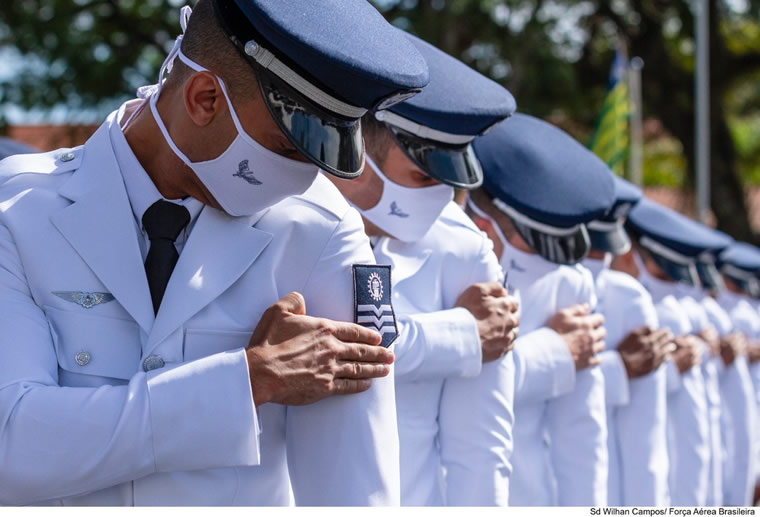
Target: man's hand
732, 346
644, 350
296, 359
584, 333
688, 352
753, 352
710, 336
496, 314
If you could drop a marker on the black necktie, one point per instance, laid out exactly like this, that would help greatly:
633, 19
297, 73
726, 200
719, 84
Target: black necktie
163, 221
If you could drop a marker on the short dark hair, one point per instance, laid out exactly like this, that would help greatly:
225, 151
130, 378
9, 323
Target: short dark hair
206, 43
377, 138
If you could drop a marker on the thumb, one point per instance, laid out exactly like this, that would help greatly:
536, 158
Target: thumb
580, 309
495, 289
293, 302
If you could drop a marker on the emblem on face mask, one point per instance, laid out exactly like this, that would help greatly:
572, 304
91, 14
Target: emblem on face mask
372, 301
246, 173
395, 210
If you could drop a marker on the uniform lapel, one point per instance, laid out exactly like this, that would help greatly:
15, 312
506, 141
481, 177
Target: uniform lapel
220, 249
100, 226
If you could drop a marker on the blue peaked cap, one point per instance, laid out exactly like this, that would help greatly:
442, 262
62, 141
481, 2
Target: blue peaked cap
741, 255
626, 196
673, 230
458, 100
544, 173
339, 44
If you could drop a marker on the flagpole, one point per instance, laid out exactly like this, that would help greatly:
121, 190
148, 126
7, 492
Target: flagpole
702, 110
635, 162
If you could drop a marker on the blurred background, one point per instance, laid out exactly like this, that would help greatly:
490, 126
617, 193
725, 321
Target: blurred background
577, 63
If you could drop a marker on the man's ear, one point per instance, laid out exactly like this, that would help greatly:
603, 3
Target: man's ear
203, 98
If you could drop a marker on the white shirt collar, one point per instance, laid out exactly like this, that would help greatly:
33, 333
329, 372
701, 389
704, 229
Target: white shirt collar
141, 190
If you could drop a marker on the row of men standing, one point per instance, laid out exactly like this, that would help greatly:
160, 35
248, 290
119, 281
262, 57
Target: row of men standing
557, 339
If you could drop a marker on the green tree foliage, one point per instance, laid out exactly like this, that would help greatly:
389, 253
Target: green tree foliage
554, 55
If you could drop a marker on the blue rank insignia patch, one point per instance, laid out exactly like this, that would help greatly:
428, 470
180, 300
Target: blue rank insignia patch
372, 301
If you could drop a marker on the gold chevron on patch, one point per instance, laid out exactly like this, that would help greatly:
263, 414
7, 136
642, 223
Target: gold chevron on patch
83, 299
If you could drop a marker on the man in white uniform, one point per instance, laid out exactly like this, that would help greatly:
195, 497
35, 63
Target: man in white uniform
142, 361
540, 187
667, 244
635, 381
455, 380
737, 263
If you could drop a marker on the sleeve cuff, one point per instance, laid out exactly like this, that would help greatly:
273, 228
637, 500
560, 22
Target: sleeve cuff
203, 415
615, 379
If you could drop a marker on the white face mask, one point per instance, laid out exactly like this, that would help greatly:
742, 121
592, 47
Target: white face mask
247, 177
407, 213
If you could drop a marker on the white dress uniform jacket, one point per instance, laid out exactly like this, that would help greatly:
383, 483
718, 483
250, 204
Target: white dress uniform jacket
560, 454
700, 321
739, 402
688, 418
636, 408
452, 414
82, 423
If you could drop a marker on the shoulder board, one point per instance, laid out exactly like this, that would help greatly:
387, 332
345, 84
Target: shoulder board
53, 162
326, 196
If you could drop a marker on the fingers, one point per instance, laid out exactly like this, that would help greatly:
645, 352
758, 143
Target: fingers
356, 352
350, 386
493, 289
293, 303
595, 320
352, 333
350, 370
580, 309
599, 347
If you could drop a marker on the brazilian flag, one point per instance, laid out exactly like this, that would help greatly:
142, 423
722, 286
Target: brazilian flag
610, 139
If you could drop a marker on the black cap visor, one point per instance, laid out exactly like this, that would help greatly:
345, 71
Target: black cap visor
332, 142
609, 237
709, 276
454, 165
744, 280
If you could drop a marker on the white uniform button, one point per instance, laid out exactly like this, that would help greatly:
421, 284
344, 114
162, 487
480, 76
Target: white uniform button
153, 362
67, 156
82, 358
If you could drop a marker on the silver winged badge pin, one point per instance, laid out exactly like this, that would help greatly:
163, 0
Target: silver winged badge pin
83, 299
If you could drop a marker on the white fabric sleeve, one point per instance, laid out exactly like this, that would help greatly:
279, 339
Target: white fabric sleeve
438, 345
344, 450
544, 368
689, 441
616, 389
738, 402
641, 428
60, 441
476, 417
577, 428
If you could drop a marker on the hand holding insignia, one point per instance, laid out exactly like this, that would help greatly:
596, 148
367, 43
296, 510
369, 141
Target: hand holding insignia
296, 359
496, 315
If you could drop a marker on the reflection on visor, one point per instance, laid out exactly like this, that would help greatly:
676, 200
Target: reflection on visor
609, 237
332, 142
560, 249
709, 276
455, 165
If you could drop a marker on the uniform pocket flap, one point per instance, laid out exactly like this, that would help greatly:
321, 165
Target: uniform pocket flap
95, 345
